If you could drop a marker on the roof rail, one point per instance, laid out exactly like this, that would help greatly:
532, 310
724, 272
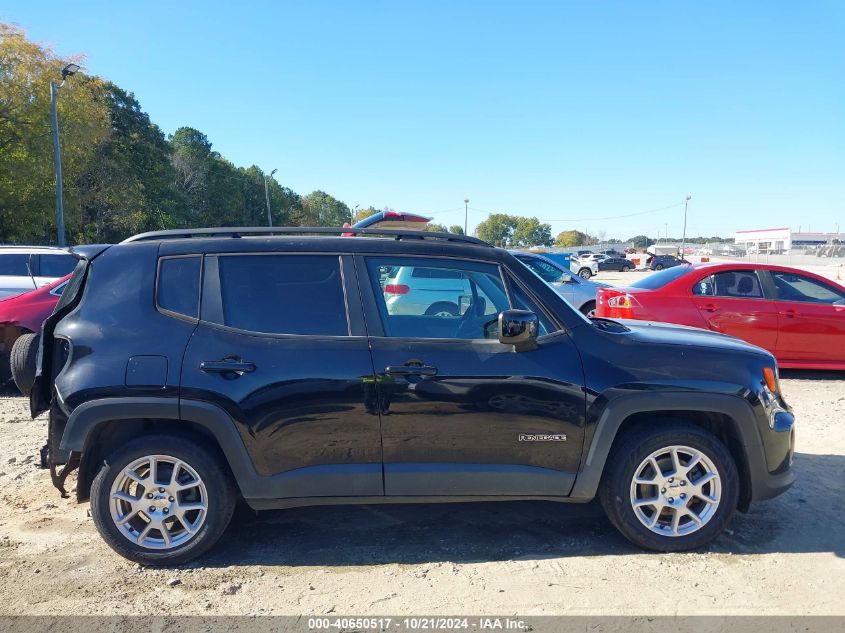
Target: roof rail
242, 231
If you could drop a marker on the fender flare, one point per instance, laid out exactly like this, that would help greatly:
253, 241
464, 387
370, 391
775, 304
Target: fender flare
88, 416
619, 409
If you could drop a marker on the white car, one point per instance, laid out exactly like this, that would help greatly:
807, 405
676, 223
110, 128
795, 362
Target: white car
417, 291
25, 268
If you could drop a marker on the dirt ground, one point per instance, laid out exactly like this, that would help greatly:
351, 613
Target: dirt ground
783, 557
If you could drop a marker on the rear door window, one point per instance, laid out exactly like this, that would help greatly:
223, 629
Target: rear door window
741, 284
283, 294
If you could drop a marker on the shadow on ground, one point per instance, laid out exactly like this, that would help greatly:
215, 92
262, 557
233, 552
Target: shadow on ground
807, 518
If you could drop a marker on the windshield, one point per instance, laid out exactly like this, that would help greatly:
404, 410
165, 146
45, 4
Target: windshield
662, 277
547, 271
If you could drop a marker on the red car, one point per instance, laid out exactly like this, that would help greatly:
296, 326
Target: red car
23, 314
796, 315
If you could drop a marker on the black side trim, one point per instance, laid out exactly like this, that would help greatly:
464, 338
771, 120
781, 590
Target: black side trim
280, 504
618, 410
491, 480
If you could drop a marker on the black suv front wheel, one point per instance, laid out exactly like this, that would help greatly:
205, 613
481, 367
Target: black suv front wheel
671, 487
162, 500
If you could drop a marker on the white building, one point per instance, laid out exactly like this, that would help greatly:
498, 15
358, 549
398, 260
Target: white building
782, 240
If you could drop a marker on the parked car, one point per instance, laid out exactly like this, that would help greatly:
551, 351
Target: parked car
21, 317
423, 290
25, 268
393, 220
616, 263
796, 315
580, 293
171, 408
659, 262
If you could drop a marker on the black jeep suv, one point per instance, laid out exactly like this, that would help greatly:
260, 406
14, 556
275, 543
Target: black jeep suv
186, 369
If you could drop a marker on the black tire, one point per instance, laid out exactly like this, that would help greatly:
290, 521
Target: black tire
204, 459
636, 445
587, 308
585, 273
626, 268
443, 308
22, 361
658, 267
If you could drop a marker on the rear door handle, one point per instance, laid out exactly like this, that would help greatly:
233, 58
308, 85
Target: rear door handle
710, 307
790, 314
410, 370
227, 365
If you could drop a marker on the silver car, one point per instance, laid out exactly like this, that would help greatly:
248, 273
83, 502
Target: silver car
579, 292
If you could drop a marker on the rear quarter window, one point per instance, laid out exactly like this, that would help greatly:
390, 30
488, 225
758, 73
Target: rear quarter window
178, 285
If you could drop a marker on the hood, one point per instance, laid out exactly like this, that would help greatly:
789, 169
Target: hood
657, 333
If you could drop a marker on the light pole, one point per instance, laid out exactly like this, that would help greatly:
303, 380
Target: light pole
684, 238
355, 213
466, 214
67, 71
267, 197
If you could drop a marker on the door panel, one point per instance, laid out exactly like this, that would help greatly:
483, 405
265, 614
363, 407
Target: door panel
472, 428
306, 409
300, 388
812, 318
461, 413
733, 303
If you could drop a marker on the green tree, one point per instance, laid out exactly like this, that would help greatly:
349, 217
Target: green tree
457, 229
531, 232
129, 183
436, 228
27, 200
572, 238
497, 229
640, 241
321, 209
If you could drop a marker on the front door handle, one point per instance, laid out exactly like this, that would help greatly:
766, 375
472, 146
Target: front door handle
789, 314
410, 370
710, 307
227, 365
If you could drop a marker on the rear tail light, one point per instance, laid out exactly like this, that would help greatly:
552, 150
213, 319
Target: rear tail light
396, 289
622, 301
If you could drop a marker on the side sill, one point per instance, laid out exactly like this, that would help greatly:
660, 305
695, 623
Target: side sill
300, 502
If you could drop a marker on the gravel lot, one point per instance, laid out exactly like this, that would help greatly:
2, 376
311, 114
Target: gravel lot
785, 556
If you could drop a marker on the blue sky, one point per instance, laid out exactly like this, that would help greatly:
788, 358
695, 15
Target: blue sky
574, 112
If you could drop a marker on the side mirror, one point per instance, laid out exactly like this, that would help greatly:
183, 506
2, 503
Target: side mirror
518, 328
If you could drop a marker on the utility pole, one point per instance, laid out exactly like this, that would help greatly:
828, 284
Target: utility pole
466, 214
684, 238
67, 71
267, 197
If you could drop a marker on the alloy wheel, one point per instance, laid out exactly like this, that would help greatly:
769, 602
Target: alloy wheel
158, 502
675, 491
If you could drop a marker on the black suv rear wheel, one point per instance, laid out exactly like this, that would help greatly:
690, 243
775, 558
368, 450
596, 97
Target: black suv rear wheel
162, 500
671, 487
